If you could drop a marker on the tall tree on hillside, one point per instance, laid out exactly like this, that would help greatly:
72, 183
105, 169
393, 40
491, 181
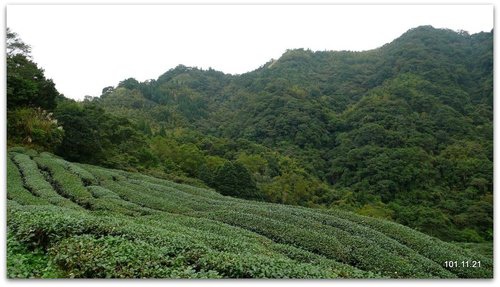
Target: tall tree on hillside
26, 82
14, 45
29, 98
234, 179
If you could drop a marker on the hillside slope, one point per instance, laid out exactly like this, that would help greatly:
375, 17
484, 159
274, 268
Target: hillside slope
76, 220
403, 132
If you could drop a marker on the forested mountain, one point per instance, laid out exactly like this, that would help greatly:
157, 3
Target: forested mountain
402, 132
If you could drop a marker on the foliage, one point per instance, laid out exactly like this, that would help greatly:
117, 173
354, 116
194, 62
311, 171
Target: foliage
185, 232
27, 85
93, 136
16, 189
25, 263
403, 132
35, 128
116, 257
14, 45
30, 97
389, 127
235, 180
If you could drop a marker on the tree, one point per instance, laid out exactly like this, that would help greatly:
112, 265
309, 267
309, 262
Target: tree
94, 136
235, 180
107, 90
83, 141
14, 45
29, 96
26, 82
129, 83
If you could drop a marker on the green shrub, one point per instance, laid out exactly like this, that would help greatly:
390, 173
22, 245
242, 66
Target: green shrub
430, 247
187, 232
34, 127
86, 177
68, 184
116, 257
254, 266
16, 190
36, 182
25, 263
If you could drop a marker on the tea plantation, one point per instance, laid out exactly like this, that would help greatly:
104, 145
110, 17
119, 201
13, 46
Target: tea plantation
68, 220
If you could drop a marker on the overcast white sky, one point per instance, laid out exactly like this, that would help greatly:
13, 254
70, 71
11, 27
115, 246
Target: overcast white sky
86, 48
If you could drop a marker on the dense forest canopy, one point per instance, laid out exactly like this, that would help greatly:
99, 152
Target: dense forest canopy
402, 132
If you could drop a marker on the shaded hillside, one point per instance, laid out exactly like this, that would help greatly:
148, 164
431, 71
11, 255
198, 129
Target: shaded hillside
76, 220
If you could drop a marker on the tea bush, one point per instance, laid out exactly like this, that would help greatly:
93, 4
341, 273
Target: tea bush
69, 184
25, 263
85, 256
36, 182
89, 222
16, 190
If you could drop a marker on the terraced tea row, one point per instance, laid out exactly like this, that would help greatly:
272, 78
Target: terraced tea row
96, 222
